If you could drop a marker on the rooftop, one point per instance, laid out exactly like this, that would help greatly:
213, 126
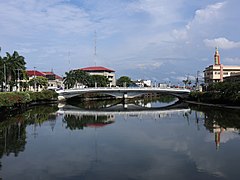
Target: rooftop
96, 68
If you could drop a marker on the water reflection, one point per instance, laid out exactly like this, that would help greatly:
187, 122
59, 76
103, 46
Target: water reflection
13, 130
224, 123
121, 142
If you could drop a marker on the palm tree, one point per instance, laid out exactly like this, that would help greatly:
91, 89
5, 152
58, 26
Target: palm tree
74, 77
15, 64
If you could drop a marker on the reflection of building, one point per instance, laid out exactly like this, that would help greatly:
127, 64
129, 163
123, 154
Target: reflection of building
79, 121
99, 70
218, 71
218, 131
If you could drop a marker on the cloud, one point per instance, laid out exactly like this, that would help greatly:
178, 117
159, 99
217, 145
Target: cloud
133, 32
153, 65
32, 17
221, 42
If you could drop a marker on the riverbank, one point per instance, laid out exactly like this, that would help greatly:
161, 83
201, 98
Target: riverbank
14, 102
212, 105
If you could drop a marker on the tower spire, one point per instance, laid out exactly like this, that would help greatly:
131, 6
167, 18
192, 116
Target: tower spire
216, 57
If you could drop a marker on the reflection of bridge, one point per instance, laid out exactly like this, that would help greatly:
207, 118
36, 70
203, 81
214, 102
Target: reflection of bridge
122, 92
133, 111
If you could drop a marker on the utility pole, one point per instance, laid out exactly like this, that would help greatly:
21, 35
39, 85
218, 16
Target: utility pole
34, 79
5, 77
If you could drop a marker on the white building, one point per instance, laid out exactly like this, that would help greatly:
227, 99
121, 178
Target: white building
99, 70
218, 71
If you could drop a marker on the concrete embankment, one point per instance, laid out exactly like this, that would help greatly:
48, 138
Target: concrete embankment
213, 105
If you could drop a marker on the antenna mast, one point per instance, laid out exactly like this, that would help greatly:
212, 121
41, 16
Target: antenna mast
95, 47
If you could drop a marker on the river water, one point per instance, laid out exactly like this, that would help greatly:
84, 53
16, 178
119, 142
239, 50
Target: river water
115, 140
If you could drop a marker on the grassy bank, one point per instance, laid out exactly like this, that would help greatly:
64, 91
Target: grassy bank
18, 100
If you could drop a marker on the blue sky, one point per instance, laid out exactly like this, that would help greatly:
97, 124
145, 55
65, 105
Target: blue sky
160, 40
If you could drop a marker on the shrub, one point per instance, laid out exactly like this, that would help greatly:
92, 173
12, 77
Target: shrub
8, 99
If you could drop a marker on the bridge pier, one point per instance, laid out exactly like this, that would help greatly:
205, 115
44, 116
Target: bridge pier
61, 98
125, 95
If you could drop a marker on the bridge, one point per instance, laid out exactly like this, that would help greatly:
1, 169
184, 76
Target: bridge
119, 109
122, 92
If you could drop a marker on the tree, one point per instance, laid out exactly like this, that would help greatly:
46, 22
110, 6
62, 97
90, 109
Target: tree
76, 76
13, 67
101, 81
124, 81
38, 81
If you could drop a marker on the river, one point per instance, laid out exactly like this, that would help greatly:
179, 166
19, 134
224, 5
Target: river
114, 140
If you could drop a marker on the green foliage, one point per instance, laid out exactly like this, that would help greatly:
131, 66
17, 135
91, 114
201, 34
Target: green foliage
44, 95
76, 76
14, 98
10, 99
13, 66
81, 77
124, 81
101, 81
222, 93
38, 81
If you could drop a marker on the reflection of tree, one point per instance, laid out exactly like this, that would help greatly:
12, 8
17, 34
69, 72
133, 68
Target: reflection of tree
95, 104
156, 99
222, 117
79, 122
12, 138
13, 129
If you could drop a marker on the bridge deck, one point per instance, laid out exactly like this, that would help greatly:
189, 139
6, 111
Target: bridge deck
121, 91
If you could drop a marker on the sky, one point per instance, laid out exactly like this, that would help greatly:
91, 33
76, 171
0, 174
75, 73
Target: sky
160, 40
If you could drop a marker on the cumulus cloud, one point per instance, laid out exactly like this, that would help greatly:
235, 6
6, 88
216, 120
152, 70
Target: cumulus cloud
202, 19
221, 42
143, 29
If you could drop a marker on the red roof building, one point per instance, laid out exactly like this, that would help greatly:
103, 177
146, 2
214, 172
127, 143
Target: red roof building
97, 69
31, 73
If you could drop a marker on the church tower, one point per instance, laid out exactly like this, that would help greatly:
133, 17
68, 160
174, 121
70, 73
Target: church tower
216, 57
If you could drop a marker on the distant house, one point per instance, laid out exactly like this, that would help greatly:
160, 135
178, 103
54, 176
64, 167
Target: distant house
143, 83
54, 81
99, 70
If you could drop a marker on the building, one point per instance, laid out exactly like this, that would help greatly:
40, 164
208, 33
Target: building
143, 83
54, 81
232, 78
217, 72
99, 70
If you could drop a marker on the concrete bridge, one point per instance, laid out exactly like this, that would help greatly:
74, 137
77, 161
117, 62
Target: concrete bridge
131, 110
122, 92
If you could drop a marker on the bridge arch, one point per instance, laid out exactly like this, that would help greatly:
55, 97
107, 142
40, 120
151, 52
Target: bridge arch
122, 92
